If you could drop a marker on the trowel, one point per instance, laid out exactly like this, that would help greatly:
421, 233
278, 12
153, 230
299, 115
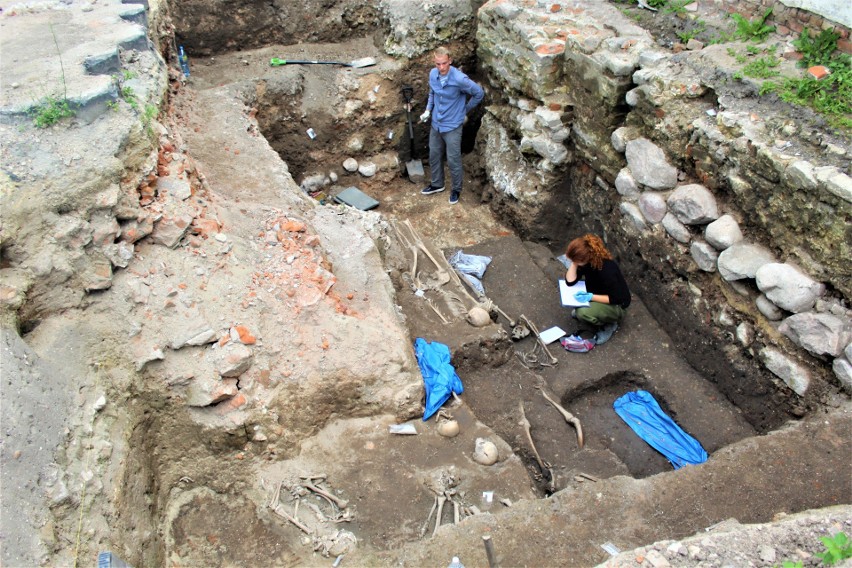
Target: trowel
413, 167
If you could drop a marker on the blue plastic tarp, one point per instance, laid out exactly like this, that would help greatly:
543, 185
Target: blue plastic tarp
439, 376
647, 419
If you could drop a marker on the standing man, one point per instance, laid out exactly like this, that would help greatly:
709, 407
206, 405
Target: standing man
452, 94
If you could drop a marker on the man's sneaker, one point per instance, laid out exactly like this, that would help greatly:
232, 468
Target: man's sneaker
429, 190
605, 333
454, 198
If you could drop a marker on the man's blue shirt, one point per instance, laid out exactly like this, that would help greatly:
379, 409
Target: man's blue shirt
450, 103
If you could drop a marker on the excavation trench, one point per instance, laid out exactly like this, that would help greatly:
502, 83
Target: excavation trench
521, 278
317, 116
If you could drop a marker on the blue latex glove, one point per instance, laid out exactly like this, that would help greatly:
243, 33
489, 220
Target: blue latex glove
583, 296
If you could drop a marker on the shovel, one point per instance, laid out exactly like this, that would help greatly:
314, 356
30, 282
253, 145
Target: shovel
358, 63
413, 167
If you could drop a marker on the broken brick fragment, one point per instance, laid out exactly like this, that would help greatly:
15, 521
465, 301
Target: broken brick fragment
819, 72
246, 338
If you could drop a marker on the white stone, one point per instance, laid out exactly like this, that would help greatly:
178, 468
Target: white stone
723, 232
794, 375
621, 136
653, 206
742, 260
769, 310
99, 404
632, 213
693, 204
234, 359
843, 370
550, 119
818, 333
676, 229
788, 287
332, 176
367, 169
626, 185
840, 185
800, 175
704, 256
350, 164
745, 334
648, 164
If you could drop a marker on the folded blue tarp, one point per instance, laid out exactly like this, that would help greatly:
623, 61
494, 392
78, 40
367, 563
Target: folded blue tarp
439, 376
644, 415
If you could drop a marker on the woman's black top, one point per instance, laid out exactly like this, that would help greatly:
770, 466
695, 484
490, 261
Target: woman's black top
607, 281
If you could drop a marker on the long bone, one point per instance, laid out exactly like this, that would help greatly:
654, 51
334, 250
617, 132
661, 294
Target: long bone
429, 518
570, 418
526, 426
442, 498
341, 503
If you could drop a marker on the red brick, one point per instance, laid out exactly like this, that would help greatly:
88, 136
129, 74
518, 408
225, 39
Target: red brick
782, 30
845, 46
819, 71
796, 26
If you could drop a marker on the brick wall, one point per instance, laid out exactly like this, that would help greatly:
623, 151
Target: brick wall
790, 21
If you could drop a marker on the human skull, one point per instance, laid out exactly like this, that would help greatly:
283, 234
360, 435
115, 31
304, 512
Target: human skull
485, 452
478, 317
448, 428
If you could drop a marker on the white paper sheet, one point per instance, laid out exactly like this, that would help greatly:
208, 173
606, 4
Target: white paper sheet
566, 294
551, 335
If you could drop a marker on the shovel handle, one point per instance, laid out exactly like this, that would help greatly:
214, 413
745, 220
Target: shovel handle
275, 62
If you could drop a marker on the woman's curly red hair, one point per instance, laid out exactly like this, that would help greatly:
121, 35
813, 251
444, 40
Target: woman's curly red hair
588, 249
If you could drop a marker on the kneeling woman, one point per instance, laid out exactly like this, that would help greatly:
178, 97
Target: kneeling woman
606, 289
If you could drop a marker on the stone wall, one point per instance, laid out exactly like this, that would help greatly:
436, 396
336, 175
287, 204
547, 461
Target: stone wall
736, 211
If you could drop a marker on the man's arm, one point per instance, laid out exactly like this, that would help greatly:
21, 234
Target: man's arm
474, 92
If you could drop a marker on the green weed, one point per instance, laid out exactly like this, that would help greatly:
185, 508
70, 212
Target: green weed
762, 68
816, 50
754, 29
837, 548
676, 6
51, 111
831, 96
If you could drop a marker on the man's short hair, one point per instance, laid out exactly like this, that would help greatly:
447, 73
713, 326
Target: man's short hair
442, 51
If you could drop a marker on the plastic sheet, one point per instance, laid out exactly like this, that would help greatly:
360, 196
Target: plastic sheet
472, 268
439, 376
643, 414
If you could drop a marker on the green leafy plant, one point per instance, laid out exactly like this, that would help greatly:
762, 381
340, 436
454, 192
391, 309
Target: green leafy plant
816, 50
51, 111
832, 95
754, 29
837, 548
676, 6
762, 68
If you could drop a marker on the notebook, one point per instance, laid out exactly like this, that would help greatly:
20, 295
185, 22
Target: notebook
566, 294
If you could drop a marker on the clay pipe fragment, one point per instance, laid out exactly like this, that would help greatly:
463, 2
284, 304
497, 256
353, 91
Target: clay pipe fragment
570, 418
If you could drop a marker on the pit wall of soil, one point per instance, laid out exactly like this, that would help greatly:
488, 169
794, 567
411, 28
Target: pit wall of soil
574, 93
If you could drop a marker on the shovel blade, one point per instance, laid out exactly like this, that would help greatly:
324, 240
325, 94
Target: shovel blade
414, 169
363, 62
